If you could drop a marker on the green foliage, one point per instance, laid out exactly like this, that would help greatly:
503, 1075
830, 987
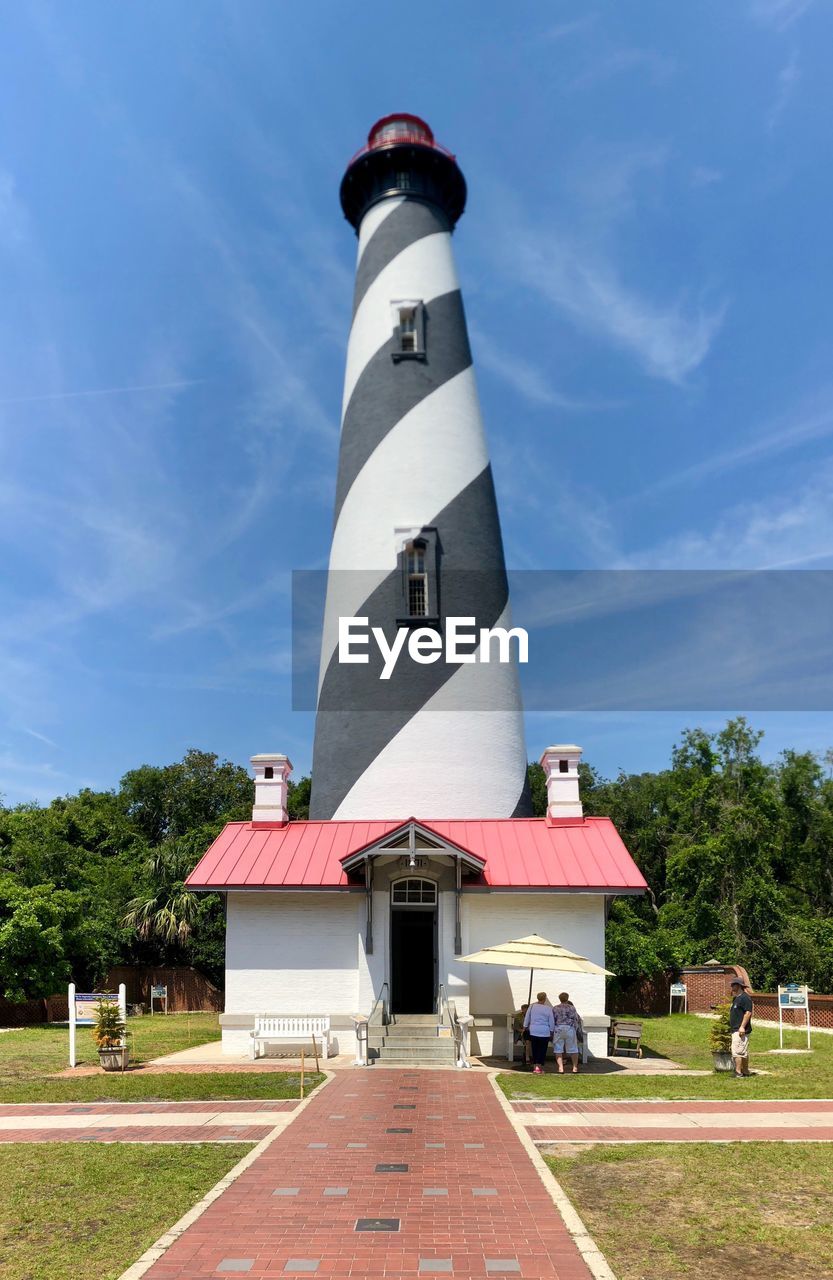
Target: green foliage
37, 928
97, 879
720, 1033
109, 1030
738, 855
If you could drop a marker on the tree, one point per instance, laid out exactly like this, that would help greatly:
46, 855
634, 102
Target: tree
174, 799
38, 925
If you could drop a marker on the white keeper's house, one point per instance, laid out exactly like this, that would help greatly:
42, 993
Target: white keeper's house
420, 847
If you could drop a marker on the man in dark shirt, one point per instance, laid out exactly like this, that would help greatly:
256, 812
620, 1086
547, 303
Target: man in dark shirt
740, 1024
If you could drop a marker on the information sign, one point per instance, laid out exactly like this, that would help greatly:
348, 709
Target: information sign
159, 992
793, 996
678, 991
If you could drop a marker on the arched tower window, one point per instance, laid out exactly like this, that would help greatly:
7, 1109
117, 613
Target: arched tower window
418, 562
413, 892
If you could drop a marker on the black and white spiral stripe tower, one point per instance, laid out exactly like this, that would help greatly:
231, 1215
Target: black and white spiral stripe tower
416, 536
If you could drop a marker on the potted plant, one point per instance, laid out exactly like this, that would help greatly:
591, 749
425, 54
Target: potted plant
110, 1035
720, 1040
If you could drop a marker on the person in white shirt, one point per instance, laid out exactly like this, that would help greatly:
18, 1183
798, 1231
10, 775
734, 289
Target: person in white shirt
540, 1023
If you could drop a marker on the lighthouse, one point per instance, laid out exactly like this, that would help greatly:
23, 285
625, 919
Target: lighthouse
420, 847
416, 541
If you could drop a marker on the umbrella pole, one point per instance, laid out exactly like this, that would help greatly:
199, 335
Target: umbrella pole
529, 997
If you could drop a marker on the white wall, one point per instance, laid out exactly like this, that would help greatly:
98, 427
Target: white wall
293, 952
304, 953
575, 921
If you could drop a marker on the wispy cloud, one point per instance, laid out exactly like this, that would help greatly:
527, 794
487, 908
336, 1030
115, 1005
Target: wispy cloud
563, 29
791, 531
575, 264
41, 737
669, 338
779, 14
704, 176
788, 78
528, 379
790, 431
656, 66
178, 385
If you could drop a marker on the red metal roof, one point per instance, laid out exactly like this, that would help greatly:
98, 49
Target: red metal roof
520, 853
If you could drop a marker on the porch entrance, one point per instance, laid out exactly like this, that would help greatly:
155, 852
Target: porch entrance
413, 946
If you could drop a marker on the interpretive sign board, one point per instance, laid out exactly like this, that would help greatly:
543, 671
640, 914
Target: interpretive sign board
678, 991
83, 1010
159, 993
793, 996
86, 1006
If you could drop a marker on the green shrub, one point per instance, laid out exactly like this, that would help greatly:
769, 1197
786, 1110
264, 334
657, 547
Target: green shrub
109, 1030
720, 1034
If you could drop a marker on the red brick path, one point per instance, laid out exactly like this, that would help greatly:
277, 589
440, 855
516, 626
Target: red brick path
470, 1199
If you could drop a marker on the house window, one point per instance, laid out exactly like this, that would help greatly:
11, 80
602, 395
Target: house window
413, 893
409, 331
417, 580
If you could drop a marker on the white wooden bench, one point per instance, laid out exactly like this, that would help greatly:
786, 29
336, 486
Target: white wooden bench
271, 1029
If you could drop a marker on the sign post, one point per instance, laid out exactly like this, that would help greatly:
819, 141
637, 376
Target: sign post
83, 1010
71, 1003
159, 993
678, 991
793, 996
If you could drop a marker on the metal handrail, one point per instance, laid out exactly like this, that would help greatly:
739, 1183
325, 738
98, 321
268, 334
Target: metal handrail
385, 998
454, 1022
363, 1024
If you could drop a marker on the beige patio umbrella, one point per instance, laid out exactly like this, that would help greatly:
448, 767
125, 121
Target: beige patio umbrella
534, 953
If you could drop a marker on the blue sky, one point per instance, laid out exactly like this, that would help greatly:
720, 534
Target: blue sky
646, 260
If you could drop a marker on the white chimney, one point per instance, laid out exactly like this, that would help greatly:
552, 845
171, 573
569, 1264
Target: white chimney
271, 776
560, 765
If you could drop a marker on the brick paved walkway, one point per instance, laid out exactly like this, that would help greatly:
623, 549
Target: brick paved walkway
430, 1154
741, 1120
230, 1121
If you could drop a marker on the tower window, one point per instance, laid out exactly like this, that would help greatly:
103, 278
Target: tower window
418, 561
269, 771
417, 581
564, 766
409, 331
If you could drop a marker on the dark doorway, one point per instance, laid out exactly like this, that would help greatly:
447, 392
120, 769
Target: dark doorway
413, 949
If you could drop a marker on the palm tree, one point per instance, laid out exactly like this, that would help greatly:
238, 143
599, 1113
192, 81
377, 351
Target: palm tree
168, 912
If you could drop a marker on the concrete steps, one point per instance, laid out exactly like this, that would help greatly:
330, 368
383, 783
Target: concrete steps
411, 1038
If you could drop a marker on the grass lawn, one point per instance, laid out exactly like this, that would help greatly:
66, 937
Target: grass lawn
684, 1038
30, 1055
44, 1049
691, 1210
69, 1210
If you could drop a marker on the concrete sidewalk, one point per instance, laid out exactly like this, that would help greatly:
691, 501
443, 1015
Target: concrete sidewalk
143, 1121
741, 1120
